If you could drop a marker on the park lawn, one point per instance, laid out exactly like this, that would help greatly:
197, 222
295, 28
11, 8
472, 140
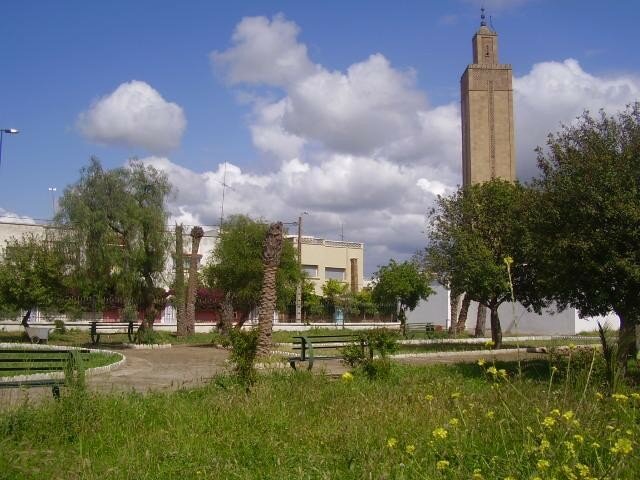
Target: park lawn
432, 422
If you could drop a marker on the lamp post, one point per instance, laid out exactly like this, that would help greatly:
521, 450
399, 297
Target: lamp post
53, 199
299, 286
11, 131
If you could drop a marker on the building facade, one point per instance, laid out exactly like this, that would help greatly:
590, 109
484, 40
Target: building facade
488, 142
324, 260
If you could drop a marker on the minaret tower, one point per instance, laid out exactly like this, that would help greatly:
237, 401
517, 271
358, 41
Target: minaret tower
488, 144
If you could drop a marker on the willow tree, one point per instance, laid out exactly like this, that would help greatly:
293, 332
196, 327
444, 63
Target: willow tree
116, 219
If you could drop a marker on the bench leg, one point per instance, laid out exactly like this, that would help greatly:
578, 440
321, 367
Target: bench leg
293, 364
56, 391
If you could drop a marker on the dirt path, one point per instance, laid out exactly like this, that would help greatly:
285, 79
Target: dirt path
183, 366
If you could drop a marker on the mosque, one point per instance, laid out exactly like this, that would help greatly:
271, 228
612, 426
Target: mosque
488, 151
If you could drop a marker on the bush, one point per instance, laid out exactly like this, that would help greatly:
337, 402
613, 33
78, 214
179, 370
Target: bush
244, 348
360, 354
60, 327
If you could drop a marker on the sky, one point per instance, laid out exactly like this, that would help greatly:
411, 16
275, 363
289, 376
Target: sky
346, 110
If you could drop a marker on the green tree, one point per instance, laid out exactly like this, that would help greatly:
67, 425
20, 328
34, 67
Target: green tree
400, 282
117, 221
32, 274
236, 265
588, 218
471, 234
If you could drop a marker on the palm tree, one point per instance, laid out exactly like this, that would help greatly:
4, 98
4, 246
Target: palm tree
190, 321
271, 260
179, 284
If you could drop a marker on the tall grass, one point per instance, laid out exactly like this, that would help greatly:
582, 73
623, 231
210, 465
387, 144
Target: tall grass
467, 421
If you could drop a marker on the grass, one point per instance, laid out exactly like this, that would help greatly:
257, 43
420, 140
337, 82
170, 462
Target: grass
430, 422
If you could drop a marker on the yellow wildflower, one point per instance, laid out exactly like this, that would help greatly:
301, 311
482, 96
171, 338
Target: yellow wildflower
620, 397
555, 412
569, 448
609, 427
347, 377
442, 464
392, 442
455, 394
543, 464
481, 362
623, 446
549, 422
568, 415
572, 346
544, 445
509, 478
599, 396
635, 396
554, 369
489, 343
410, 449
477, 474
578, 438
490, 414
595, 445
582, 469
503, 373
428, 397
492, 371
454, 422
569, 473
440, 433
508, 260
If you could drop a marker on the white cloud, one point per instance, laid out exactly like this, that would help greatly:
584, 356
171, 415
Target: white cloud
553, 93
361, 147
135, 115
264, 52
9, 217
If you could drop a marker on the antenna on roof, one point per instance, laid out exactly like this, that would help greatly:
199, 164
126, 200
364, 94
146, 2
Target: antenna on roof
491, 23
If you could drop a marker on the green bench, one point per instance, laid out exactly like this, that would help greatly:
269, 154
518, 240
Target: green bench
112, 328
421, 328
331, 346
30, 361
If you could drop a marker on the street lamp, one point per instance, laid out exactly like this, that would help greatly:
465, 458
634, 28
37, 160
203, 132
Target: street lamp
11, 131
53, 199
299, 287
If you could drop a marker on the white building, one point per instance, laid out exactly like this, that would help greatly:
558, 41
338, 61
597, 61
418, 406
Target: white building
437, 310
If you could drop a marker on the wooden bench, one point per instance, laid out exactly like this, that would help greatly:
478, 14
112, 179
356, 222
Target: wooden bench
421, 328
112, 328
30, 361
308, 344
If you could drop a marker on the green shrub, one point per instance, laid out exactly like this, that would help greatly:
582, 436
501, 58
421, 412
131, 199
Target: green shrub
60, 327
361, 353
244, 348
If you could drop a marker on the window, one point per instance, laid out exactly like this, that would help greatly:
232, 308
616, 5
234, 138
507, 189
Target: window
311, 271
331, 273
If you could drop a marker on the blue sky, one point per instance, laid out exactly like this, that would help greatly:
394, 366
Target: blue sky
348, 110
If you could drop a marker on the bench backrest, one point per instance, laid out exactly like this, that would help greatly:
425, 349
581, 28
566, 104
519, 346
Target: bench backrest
31, 360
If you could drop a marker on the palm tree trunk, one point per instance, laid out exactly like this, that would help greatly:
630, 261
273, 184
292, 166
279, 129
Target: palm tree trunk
226, 316
271, 260
190, 318
179, 286
481, 320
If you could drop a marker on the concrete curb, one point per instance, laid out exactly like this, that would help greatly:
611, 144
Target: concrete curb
143, 346
469, 354
60, 375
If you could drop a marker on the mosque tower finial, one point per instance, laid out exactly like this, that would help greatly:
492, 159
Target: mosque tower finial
483, 23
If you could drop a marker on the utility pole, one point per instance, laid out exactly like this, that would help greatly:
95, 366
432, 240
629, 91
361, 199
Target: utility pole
299, 286
53, 200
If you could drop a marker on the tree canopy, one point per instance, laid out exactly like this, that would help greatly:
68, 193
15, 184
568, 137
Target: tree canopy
236, 265
472, 234
403, 282
588, 218
116, 219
